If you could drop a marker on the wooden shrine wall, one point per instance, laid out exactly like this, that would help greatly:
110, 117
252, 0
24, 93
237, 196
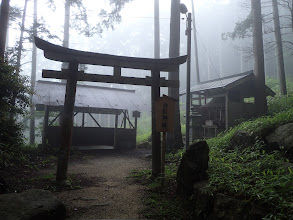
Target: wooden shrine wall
95, 136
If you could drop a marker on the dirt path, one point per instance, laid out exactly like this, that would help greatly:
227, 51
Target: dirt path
112, 195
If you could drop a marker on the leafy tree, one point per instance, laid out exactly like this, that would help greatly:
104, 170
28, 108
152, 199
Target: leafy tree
243, 29
13, 99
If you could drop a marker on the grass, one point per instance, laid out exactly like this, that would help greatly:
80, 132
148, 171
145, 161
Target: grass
161, 201
263, 178
144, 129
260, 177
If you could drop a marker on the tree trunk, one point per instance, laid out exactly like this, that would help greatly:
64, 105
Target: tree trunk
259, 71
195, 45
33, 76
174, 139
292, 15
66, 30
280, 58
157, 29
4, 17
19, 50
20, 46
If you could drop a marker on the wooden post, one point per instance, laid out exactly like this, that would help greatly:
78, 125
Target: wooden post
156, 140
124, 119
67, 124
115, 130
45, 125
227, 110
163, 154
187, 125
82, 120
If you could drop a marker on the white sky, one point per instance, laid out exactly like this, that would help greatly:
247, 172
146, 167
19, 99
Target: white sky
137, 14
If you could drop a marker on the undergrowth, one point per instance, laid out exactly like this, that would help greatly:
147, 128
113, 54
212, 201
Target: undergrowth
161, 201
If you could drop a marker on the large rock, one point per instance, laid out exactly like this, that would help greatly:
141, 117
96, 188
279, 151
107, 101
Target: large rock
33, 204
219, 206
192, 168
229, 208
283, 137
241, 140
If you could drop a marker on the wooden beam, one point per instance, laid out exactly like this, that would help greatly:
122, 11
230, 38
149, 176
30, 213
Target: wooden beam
156, 138
109, 79
55, 119
94, 119
40, 107
62, 54
67, 124
117, 71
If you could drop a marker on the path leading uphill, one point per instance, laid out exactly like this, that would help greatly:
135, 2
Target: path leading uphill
111, 195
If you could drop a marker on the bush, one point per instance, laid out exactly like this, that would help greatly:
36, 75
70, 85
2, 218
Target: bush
14, 100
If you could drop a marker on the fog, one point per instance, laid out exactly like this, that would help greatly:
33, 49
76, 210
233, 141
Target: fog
134, 36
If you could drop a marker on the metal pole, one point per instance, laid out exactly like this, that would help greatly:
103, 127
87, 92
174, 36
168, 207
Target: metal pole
188, 80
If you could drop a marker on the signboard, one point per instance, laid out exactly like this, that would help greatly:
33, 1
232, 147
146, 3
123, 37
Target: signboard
165, 110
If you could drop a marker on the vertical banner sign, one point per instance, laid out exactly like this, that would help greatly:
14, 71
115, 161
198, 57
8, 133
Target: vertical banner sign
165, 110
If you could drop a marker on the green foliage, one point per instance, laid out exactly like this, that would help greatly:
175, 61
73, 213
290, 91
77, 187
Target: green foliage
255, 175
259, 127
279, 103
242, 29
144, 128
263, 178
14, 100
161, 201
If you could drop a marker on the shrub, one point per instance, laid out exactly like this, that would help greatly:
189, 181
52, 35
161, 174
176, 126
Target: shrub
14, 100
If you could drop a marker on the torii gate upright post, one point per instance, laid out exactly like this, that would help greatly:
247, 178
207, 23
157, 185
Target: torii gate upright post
67, 124
156, 136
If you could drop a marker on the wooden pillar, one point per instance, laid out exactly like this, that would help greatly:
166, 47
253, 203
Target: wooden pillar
135, 128
156, 139
227, 110
124, 119
67, 124
82, 125
115, 130
45, 125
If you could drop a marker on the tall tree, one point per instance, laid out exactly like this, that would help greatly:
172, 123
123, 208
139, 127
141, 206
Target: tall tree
4, 17
157, 29
66, 29
280, 58
174, 139
259, 69
20, 44
33, 75
19, 49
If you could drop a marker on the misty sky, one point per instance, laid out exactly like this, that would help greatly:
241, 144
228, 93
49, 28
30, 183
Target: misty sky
134, 35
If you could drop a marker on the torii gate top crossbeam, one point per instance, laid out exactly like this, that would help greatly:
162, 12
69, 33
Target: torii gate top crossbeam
62, 54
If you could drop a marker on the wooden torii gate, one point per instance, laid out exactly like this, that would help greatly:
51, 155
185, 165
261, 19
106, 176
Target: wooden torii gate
72, 75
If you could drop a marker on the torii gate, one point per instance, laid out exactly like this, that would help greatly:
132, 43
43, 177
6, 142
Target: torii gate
72, 75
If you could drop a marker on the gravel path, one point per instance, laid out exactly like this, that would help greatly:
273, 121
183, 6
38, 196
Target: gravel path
112, 195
